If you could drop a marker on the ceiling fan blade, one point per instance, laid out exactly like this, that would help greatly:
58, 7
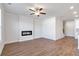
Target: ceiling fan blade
41, 9
32, 10
42, 13
32, 13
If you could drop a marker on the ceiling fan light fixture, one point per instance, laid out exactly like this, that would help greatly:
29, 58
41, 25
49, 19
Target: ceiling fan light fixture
37, 13
32, 8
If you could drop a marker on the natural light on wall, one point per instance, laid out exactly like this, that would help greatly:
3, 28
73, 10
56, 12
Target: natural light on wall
0, 24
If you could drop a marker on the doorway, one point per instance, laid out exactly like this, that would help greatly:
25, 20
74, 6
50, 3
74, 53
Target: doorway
69, 28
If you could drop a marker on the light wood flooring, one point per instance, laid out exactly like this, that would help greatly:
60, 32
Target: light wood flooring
42, 47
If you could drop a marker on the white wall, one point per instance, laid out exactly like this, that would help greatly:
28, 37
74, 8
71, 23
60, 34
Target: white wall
14, 25
52, 28
12, 29
59, 28
37, 28
26, 24
17, 23
2, 41
76, 28
48, 28
69, 28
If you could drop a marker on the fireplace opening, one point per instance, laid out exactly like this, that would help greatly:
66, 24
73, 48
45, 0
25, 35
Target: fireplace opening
26, 33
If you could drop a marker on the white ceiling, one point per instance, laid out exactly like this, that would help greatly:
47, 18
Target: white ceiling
52, 9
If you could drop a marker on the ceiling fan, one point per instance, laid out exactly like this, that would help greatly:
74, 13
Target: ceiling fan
37, 11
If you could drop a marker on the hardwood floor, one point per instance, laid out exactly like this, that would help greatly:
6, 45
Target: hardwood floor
42, 47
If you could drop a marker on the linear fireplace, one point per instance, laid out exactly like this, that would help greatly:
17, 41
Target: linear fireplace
26, 33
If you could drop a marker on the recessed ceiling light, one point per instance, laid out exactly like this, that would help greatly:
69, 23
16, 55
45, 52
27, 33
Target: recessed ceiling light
76, 16
71, 7
75, 12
